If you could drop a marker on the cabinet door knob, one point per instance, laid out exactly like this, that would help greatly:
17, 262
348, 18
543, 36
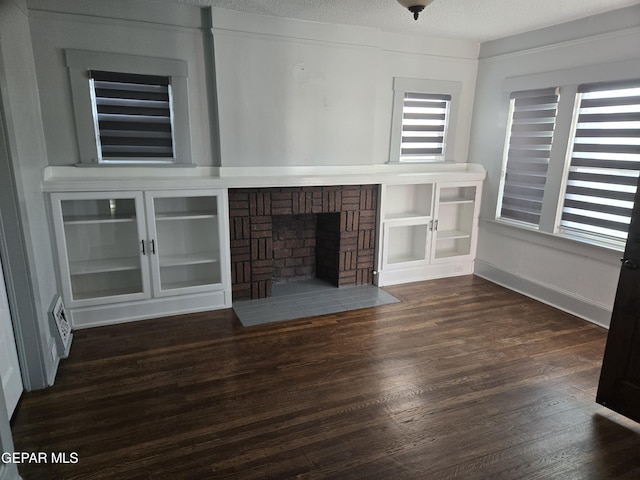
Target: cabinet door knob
143, 252
153, 247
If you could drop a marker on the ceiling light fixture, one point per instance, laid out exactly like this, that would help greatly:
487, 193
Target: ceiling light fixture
415, 6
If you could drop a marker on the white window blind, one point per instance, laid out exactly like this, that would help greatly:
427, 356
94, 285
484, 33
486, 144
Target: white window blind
424, 126
605, 160
133, 117
532, 120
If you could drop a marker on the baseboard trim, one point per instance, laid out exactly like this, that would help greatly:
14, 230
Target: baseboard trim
395, 276
562, 300
111, 314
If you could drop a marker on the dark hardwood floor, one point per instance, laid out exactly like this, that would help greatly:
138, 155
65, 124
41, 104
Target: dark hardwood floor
462, 379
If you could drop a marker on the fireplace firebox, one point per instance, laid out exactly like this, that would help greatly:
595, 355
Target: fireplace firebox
292, 233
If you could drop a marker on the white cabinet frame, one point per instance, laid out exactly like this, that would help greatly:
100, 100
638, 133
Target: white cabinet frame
455, 221
210, 290
158, 260
67, 266
427, 230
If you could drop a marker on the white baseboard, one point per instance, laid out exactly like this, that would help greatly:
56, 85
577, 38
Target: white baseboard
395, 276
566, 301
110, 314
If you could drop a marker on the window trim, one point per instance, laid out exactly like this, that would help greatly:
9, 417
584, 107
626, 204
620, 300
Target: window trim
401, 86
80, 62
568, 80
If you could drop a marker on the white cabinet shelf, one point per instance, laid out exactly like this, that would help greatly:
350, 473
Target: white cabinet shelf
179, 285
104, 265
89, 219
454, 201
107, 292
185, 216
452, 234
188, 259
122, 253
427, 230
406, 216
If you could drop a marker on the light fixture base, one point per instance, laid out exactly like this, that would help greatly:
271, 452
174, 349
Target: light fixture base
416, 9
415, 6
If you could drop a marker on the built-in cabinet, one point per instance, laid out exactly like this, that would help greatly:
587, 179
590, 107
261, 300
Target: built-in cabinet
427, 230
130, 255
153, 245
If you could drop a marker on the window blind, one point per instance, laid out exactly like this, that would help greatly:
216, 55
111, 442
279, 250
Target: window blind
424, 126
532, 123
605, 160
133, 117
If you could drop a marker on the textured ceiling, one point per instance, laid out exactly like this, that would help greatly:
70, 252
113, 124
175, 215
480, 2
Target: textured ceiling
478, 20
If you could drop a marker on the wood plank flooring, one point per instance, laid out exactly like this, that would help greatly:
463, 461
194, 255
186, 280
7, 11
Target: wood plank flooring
463, 379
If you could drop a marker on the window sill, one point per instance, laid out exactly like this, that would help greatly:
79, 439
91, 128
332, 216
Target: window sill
135, 165
574, 244
421, 162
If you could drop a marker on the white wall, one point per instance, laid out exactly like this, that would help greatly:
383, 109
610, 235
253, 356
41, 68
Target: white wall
7, 471
119, 26
290, 92
578, 278
301, 93
25, 158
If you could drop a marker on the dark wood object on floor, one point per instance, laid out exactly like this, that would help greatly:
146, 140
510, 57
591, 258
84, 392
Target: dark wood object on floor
619, 387
463, 379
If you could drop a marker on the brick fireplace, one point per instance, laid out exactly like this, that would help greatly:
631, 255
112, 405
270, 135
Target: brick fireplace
292, 233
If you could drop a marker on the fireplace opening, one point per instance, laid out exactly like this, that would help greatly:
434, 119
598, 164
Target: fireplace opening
281, 235
306, 246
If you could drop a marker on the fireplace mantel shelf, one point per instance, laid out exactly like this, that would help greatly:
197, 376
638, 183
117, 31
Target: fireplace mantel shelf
68, 179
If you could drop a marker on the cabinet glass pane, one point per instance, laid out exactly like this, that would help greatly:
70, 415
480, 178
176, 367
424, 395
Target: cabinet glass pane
102, 247
457, 194
407, 243
406, 201
99, 210
185, 206
453, 247
454, 230
187, 241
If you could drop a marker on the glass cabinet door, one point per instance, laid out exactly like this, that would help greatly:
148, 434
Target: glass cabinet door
185, 241
455, 224
103, 246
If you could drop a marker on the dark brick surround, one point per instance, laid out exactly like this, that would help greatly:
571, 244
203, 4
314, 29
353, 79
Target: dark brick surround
251, 212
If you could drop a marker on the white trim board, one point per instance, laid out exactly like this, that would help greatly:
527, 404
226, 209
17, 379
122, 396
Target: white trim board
575, 305
111, 314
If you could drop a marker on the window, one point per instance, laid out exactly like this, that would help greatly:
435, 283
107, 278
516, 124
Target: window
133, 117
605, 160
532, 121
424, 120
571, 159
129, 109
424, 126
